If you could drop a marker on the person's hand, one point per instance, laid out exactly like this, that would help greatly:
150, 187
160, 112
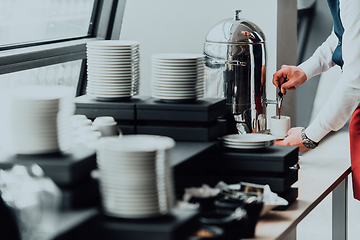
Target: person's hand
288, 77
293, 139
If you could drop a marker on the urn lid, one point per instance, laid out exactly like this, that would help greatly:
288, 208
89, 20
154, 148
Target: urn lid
236, 30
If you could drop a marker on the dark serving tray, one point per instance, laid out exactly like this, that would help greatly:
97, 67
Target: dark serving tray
64, 169
278, 182
271, 159
177, 225
202, 110
184, 132
119, 110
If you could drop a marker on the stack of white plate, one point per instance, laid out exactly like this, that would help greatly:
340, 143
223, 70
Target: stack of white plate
177, 76
40, 119
248, 141
112, 69
134, 175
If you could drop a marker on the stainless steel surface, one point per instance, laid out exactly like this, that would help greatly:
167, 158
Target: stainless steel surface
235, 55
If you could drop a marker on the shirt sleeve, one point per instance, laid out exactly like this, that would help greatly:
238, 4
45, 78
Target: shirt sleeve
321, 60
345, 96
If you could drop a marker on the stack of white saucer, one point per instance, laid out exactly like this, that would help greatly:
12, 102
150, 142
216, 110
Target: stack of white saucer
177, 76
133, 180
248, 141
112, 69
40, 119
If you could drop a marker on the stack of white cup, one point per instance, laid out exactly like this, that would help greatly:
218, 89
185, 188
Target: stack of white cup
87, 132
106, 125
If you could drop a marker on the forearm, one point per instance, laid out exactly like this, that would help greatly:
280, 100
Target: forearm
335, 112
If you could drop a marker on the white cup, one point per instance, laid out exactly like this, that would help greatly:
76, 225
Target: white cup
279, 127
106, 125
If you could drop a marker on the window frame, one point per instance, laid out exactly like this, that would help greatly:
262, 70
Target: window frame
105, 24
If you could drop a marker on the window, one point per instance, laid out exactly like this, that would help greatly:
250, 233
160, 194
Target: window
52, 33
67, 74
23, 21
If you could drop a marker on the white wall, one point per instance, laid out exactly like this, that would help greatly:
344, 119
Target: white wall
164, 26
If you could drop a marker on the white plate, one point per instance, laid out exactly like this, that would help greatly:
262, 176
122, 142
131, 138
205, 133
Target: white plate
174, 65
174, 98
140, 203
119, 57
245, 144
115, 177
107, 97
109, 48
132, 191
163, 63
188, 82
125, 170
123, 68
169, 77
148, 190
183, 94
127, 157
178, 56
113, 43
107, 87
114, 64
106, 83
172, 73
110, 88
166, 70
117, 61
248, 147
127, 213
175, 93
178, 90
121, 158
124, 157
116, 58
118, 65
130, 207
139, 143
116, 72
113, 52
180, 86
246, 138
109, 91
132, 216
119, 76
109, 62
111, 80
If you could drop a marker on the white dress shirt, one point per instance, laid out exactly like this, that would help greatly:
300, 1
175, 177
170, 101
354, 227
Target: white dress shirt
345, 96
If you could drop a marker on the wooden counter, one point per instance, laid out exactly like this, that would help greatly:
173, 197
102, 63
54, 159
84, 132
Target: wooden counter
322, 171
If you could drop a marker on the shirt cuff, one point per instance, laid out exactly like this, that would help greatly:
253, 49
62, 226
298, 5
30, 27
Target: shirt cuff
315, 132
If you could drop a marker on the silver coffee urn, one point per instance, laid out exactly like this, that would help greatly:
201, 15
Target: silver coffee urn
235, 53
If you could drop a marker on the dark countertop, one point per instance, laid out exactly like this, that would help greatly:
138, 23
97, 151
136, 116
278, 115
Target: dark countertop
182, 152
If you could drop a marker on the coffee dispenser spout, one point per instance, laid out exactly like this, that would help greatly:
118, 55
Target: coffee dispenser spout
278, 101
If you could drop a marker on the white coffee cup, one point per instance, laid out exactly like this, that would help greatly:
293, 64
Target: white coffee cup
106, 125
279, 127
